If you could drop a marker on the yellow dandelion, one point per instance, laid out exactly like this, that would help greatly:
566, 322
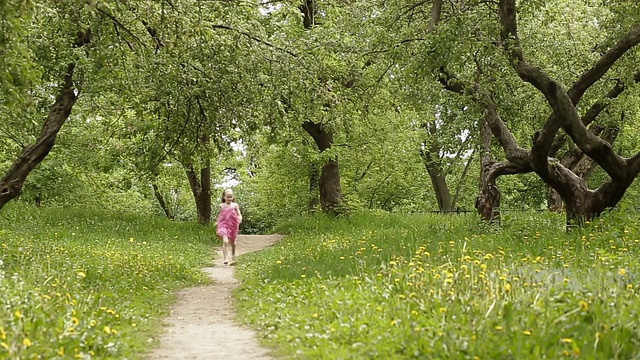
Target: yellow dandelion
82, 274
584, 306
3, 334
315, 315
4, 345
498, 327
107, 329
394, 322
26, 342
622, 271
443, 310
507, 287
629, 286
18, 314
566, 340
527, 332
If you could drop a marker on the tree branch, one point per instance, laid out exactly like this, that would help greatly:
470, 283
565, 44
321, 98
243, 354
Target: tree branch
567, 115
254, 38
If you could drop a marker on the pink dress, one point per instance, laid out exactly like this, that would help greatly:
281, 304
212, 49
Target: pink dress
228, 222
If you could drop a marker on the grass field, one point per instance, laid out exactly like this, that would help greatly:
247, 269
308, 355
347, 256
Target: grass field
83, 284
95, 285
380, 286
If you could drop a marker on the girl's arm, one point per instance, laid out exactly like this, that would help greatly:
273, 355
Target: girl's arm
239, 214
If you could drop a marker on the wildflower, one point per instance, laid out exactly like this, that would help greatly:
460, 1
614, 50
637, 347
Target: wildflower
315, 315
26, 342
82, 274
498, 327
622, 271
443, 310
107, 329
527, 332
61, 352
4, 345
629, 286
583, 305
566, 340
18, 314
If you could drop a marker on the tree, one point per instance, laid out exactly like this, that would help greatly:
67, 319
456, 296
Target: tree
12, 182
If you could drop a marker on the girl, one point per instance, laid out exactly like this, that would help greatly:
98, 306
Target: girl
229, 220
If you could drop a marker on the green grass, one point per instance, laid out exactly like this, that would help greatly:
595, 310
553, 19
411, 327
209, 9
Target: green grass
78, 283
380, 286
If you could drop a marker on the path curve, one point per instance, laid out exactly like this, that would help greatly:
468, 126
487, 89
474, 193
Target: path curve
201, 325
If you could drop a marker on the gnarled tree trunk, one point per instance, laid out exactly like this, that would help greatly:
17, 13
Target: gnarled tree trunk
32, 155
329, 182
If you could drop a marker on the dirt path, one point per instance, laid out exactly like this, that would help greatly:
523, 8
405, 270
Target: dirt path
201, 325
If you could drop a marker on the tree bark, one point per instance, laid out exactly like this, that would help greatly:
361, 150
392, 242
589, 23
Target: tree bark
162, 202
32, 155
314, 187
488, 200
201, 189
581, 203
435, 171
329, 182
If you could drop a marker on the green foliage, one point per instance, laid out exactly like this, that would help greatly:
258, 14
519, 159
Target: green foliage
91, 284
447, 287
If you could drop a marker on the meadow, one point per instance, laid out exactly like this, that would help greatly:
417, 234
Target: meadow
397, 286
86, 284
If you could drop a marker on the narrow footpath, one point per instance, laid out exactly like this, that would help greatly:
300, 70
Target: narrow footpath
202, 323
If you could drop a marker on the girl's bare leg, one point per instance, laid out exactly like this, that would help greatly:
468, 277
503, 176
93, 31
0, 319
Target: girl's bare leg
233, 251
225, 249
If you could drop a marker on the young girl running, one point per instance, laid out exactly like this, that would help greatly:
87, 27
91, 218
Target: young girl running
229, 220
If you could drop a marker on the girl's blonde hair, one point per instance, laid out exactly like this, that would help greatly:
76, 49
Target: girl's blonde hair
225, 192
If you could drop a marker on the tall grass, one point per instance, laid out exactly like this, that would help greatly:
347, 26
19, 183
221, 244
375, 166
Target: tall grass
80, 283
380, 286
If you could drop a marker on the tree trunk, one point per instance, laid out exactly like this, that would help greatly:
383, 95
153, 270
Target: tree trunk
329, 182
438, 180
32, 155
201, 189
488, 200
314, 187
580, 164
162, 202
